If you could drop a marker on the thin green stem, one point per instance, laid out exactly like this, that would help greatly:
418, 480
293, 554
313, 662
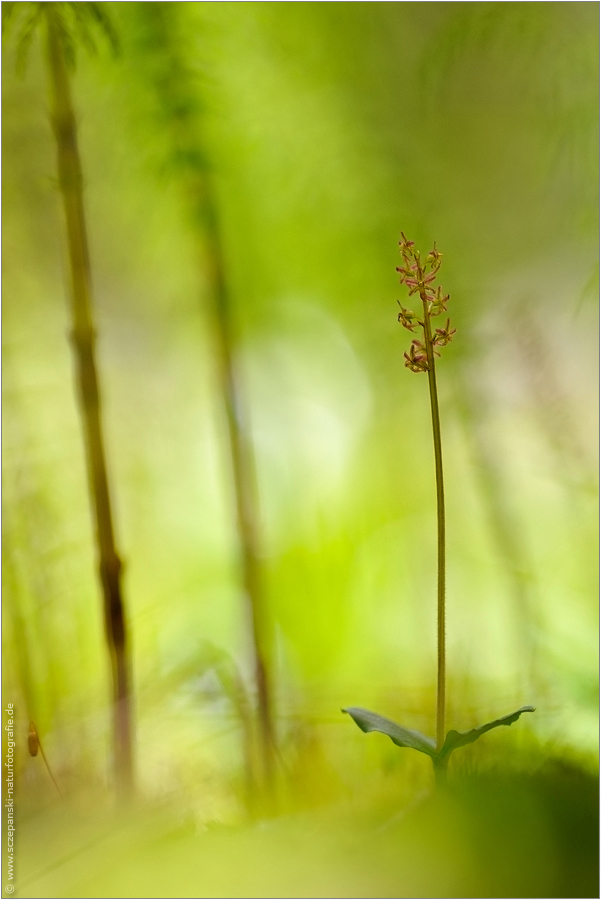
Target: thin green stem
440, 771
83, 340
440, 515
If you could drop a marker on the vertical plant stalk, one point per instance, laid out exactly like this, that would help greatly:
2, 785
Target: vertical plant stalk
243, 468
440, 517
181, 113
83, 339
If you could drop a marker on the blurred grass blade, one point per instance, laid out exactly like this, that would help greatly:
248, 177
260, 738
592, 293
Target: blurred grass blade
402, 737
456, 739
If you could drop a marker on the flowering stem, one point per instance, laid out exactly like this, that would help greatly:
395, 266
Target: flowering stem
440, 514
418, 277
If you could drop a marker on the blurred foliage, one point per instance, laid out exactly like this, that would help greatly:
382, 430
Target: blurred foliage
328, 127
497, 834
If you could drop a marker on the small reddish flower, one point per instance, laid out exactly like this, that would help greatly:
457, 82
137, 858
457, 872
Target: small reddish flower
444, 336
433, 258
417, 358
408, 319
420, 282
439, 302
404, 273
405, 244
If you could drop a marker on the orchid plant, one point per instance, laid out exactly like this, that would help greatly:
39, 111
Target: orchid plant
420, 278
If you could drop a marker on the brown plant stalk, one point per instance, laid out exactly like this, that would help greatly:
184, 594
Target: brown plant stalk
83, 340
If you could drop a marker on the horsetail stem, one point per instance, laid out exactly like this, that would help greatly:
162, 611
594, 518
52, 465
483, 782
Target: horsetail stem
83, 340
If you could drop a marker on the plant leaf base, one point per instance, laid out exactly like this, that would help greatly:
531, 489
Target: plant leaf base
404, 737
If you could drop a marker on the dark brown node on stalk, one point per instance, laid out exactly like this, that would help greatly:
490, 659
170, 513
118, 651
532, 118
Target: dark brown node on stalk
33, 741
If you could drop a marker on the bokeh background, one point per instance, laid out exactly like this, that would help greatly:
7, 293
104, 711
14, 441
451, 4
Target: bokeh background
328, 128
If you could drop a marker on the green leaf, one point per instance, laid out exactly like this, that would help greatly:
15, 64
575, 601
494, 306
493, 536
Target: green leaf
402, 737
456, 739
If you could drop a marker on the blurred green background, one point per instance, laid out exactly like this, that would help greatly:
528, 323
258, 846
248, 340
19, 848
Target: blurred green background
329, 127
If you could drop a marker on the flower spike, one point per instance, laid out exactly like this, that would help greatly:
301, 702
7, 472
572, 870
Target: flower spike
419, 278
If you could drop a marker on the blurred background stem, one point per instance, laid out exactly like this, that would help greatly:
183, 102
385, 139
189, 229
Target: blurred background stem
242, 456
179, 107
83, 339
